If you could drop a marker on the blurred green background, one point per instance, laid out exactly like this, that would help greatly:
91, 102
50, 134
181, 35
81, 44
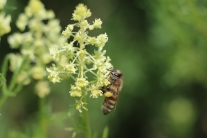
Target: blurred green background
161, 48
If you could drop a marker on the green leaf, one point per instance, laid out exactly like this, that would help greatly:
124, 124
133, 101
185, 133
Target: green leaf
105, 132
2, 80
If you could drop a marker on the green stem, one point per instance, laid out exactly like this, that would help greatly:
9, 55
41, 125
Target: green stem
87, 120
5, 65
11, 90
4, 94
16, 73
3, 99
43, 121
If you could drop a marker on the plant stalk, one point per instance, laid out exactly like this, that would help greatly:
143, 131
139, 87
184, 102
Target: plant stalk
43, 121
2, 99
87, 120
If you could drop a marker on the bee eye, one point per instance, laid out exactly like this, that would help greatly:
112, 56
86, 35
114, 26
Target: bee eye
116, 74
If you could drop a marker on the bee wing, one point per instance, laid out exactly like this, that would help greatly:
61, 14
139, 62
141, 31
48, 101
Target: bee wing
116, 100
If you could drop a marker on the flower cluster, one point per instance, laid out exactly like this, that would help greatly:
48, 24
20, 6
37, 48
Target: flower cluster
73, 59
4, 19
40, 30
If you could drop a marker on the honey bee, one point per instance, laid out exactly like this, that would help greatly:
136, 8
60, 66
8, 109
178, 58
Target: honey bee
111, 91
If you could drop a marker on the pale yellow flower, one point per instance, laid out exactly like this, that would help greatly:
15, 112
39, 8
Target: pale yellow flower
42, 88
50, 14
81, 12
80, 105
81, 82
70, 68
23, 77
84, 24
2, 4
36, 7
75, 91
15, 61
53, 74
55, 53
68, 31
22, 22
97, 23
4, 23
95, 91
46, 58
101, 40
91, 40
15, 40
38, 72
81, 54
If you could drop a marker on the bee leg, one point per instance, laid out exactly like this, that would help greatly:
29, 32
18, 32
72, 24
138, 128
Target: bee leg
103, 90
108, 94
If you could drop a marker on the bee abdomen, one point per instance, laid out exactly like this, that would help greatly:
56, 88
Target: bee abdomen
109, 104
105, 110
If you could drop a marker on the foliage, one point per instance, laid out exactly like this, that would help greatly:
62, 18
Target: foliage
160, 46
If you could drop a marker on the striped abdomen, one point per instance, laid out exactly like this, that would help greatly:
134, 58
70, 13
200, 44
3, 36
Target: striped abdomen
109, 103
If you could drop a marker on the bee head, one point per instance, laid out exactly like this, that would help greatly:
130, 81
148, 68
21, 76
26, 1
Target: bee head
117, 73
